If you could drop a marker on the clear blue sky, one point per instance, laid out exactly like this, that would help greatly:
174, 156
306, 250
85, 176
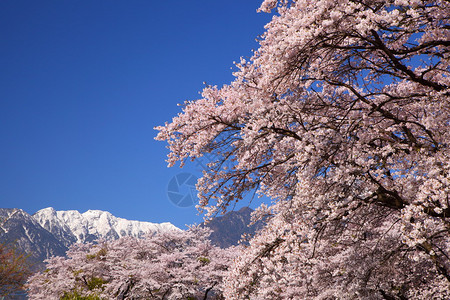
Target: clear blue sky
83, 83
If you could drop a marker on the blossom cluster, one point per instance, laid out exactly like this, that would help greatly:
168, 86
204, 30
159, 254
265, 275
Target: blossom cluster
342, 117
170, 265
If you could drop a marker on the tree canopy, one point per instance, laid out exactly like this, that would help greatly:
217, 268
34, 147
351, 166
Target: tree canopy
170, 265
342, 117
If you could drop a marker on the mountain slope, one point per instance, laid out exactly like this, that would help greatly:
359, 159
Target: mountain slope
229, 228
21, 230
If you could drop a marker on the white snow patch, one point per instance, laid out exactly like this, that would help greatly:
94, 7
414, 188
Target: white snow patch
101, 224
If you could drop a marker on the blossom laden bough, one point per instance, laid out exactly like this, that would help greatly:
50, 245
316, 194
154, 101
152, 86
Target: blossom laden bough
342, 116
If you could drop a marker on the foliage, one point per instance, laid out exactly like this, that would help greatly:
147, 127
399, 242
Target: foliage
169, 265
98, 255
342, 117
74, 295
14, 270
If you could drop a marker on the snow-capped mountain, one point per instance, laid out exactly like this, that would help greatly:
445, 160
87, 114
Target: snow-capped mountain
72, 226
50, 233
20, 229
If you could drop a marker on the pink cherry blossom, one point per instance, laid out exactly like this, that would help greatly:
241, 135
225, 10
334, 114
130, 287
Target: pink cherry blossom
342, 118
170, 265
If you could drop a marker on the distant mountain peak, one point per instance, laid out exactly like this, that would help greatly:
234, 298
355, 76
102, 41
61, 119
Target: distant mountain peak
50, 232
20, 229
94, 224
227, 230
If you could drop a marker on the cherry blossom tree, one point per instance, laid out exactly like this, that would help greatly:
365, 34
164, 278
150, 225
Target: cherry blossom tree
170, 265
342, 118
14, 270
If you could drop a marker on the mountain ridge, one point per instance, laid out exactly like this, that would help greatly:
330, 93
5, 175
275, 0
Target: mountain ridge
95, 224
227, 230
50, 233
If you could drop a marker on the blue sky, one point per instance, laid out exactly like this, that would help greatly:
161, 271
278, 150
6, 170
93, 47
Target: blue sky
83, 83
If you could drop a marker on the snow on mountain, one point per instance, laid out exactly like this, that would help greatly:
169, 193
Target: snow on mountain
50, 233
20, 229
48, 219
94, 224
